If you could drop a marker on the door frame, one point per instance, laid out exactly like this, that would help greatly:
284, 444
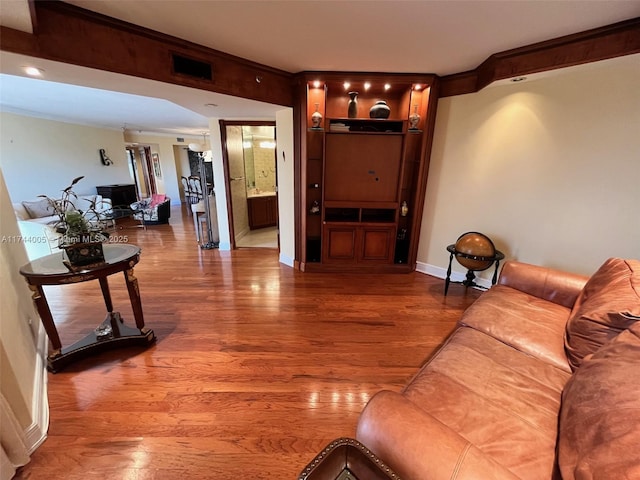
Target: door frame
227, 174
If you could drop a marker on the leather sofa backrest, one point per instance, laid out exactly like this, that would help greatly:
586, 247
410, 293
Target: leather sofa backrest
553, 285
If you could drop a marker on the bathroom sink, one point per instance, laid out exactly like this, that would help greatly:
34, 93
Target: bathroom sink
261, 194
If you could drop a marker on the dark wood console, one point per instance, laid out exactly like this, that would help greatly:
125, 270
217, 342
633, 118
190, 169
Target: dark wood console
121, 195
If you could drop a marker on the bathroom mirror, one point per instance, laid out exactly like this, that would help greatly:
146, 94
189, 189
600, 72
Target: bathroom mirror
258, 147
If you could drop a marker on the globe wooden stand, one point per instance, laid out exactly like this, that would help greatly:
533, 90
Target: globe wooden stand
469, 281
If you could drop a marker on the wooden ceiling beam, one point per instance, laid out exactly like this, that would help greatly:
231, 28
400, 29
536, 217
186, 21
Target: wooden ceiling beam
611, 41
69, 34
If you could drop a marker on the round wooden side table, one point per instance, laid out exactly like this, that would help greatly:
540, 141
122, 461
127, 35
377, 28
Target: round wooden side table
112, 332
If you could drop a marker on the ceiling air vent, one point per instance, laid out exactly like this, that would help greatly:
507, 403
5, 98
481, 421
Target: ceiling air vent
191, 67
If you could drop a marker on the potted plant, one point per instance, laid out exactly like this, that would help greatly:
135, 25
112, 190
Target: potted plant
83, 231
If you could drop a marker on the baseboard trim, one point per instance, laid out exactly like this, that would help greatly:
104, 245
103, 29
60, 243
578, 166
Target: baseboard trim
288, 261
224, 246
440, 272
36, 433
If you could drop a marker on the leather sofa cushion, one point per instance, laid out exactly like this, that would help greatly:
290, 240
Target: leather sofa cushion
525, 322
502, 401
596, 317
599, 422
419, 447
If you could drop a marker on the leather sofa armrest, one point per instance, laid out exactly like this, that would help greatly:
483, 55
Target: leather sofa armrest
555, 286
419, 447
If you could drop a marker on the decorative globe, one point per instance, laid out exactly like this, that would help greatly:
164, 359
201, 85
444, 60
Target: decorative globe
471, 245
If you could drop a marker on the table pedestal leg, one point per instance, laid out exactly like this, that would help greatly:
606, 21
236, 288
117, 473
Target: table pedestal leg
104, 285
40, 302
134, 296
447, 280
495, 273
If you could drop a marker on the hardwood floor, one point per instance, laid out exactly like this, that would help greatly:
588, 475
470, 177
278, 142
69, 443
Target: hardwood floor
256, 367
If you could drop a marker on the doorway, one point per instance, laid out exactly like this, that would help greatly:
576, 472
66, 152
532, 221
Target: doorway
249, 157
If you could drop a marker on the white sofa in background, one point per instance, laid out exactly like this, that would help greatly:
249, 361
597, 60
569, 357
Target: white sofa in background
37, 224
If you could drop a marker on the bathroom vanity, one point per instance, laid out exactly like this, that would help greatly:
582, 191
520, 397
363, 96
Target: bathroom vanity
263, 210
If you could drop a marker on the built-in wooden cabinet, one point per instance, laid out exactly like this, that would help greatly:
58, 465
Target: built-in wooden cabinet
356, 173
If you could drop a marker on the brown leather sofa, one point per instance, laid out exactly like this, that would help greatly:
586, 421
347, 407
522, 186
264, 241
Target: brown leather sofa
540, 380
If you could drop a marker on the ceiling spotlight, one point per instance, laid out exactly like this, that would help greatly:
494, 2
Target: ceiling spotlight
518, 79
316, 83
367, 85
346, 85
417, 86
33, 71
387, 86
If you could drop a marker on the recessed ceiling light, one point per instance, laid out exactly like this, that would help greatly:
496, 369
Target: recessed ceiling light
387, 86
316, 83
346, 85
518, 79
417, 86
367, 85
33, 71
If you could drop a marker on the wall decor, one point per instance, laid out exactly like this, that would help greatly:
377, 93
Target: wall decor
106, 161
156, 165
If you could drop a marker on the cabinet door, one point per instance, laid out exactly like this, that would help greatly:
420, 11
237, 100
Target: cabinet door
377, 244
362, 167
272, 210
358, 244
339, 244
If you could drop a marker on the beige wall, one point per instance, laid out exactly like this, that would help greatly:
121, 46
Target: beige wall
548, 168
42, 156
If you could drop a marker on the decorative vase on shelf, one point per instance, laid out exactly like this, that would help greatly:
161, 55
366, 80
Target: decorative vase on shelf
316, 119
380, 110
352, 111
414, 119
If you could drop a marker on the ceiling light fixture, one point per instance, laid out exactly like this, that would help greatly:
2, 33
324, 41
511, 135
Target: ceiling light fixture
518, 79
316, 83
387, 86
367, 85
417, 86
33, 71
346, 85
199, 147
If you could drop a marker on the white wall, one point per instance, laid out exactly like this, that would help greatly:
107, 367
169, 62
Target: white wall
286, 199
42, 156
22, 339
548, 168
